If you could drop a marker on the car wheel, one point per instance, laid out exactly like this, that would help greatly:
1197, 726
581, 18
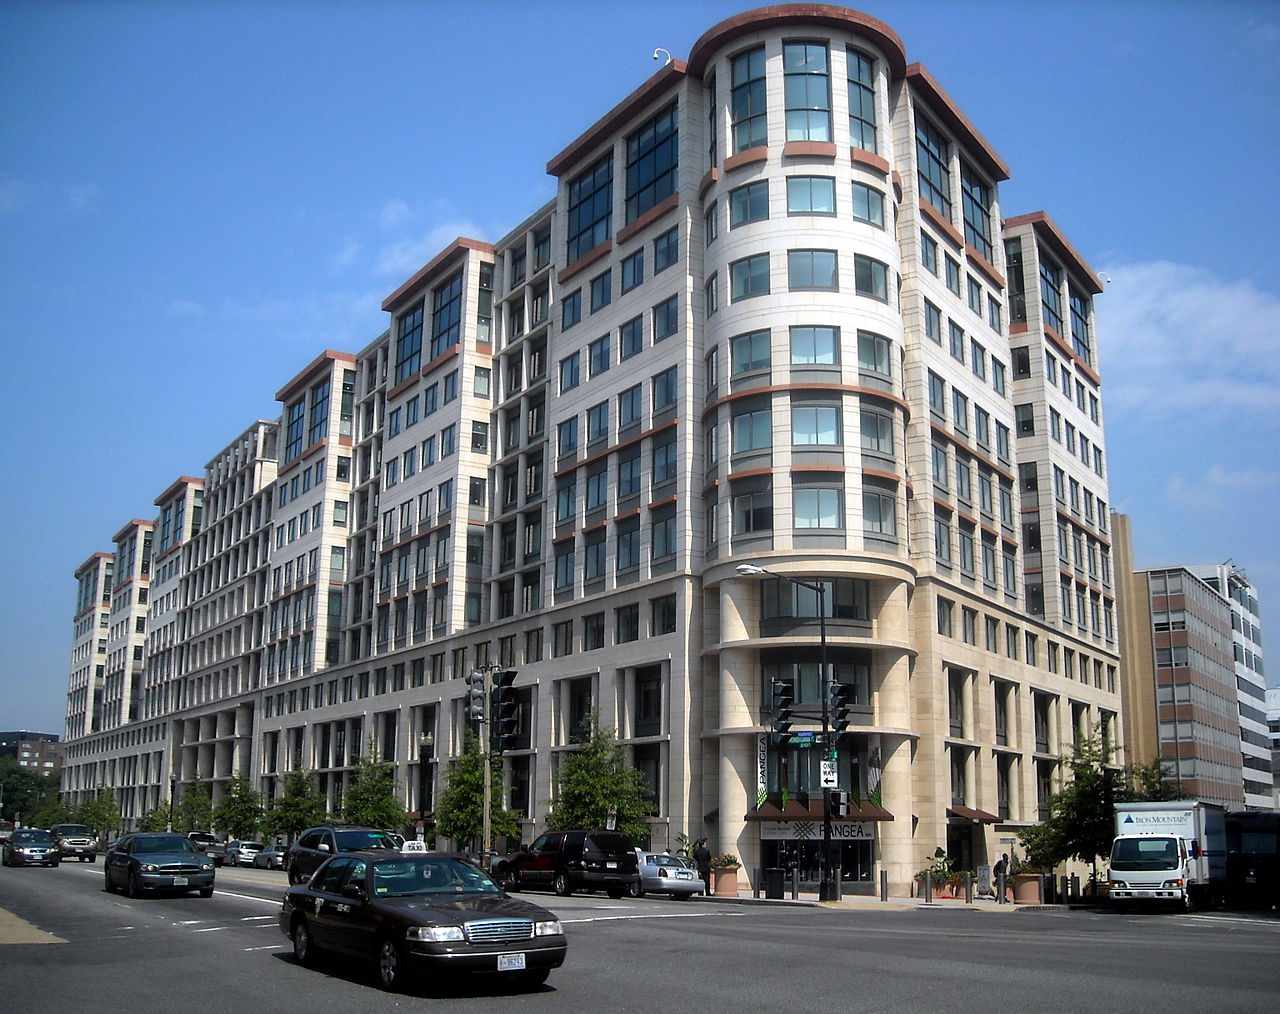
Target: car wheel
635, 889
510, 880
132, 890
561, 885
614, 892
206, 892
303, 949
390, 966
108, 886
535, 978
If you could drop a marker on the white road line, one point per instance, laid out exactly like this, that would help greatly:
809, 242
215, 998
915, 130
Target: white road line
657, 915
189, 922
269, 947
275, 902
124, 927
209, 929
255, 918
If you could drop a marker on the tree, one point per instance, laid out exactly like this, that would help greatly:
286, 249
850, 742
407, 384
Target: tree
155, 820
240, 812
194, 811
25, 792
372, 800
1148, 782
598, 782
102, 813
296, 809
459, 811
52, 811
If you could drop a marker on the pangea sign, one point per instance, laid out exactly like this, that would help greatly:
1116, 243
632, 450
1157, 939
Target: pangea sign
1176, 822
811, 830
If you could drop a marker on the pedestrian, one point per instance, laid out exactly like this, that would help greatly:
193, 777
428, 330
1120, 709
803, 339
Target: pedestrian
702, 860
1000, 872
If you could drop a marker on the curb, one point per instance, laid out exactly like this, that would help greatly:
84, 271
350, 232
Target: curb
777, 902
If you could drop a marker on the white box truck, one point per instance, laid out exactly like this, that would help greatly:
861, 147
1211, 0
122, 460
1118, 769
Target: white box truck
1174, 853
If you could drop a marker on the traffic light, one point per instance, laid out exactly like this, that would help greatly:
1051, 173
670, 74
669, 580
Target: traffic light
838, 802
504, 710
841, 705
475, 696
784, 703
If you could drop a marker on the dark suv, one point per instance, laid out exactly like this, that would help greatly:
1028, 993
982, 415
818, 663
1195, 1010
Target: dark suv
75, 840
567, 861
316, 844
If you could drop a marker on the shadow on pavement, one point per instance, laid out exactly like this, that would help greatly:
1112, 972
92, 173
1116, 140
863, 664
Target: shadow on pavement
425, 985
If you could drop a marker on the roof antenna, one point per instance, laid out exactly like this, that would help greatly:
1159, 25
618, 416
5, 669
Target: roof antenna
661, 50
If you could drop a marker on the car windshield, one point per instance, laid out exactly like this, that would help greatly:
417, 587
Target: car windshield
608, 842
202, 837
1145, 854
251, 844
415, 875
354, 841
31, 838
669, 861
164, 843
73, 831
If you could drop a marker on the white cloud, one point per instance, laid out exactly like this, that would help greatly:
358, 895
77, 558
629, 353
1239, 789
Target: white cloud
1245, 478
187, 308
1176, 337
405, 256
1217, 487
395, 212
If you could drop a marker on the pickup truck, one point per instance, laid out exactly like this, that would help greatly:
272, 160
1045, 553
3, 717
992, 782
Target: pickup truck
1173, 853
208, 843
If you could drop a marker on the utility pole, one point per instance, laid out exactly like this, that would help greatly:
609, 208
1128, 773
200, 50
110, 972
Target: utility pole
487, 833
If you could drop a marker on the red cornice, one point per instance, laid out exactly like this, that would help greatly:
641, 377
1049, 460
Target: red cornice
658, 211
869, 160
1047, 229
305, 374
420, 277
134, 523
182, 480
93, 559
944, 107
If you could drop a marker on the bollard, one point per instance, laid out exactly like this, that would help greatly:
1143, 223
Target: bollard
884, 885
928, 888
1075, 887
755, 882
1065, 886
968, 888
795, 883
839, 883
1000, 889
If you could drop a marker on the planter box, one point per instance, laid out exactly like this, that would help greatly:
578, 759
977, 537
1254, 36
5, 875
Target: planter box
726, 883
1026, 888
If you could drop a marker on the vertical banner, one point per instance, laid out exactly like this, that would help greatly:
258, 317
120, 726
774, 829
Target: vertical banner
873, 772
762, 769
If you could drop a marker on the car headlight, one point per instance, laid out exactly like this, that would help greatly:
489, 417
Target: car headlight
1120, 884
435, 934
207, 866
550, 928
149, 868
1173, 883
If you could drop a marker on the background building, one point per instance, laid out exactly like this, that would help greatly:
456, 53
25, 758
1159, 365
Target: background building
773, 316
37, 751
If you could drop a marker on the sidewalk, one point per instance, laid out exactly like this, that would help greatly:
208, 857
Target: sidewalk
862, 902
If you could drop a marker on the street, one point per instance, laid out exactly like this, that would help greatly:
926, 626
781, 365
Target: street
226, 953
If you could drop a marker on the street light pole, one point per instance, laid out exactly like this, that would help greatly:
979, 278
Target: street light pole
173, 787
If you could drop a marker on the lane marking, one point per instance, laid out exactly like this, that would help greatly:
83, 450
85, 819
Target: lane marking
269, 947
190, 922
209, 929
255, 918
658, 915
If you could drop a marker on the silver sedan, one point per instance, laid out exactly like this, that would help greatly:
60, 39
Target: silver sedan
666, 874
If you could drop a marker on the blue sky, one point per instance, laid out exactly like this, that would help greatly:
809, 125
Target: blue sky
195, 198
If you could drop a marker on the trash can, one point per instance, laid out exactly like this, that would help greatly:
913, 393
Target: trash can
774, 882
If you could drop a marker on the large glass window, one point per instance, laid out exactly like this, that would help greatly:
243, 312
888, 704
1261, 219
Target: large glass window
815, 425
1051, 293
409, 344
877, 432
1080, 325
1017, 283
875, 353
750, 352
811, 195
446, 315
749, 277
749, 203
652, 159
977, 210
868, 205
861, 70
879, 514
752, 431
293, 431
817, 508
845, 599
665, 391
747, 100
932, 166
319, 426
590, 214
812, 269
753, 512
871, 277
815, 346
808, 91
630, 338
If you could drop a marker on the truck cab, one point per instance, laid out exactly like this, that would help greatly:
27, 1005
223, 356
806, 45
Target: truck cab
1149, 868
1173, 853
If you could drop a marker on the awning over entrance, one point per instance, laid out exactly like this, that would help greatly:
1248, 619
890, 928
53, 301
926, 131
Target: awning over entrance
796, 810
977, 816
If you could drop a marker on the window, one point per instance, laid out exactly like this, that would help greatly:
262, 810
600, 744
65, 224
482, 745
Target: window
664, 462
953, 275
571, 310
966, 550
711, 294
750, 277
601, 291
569, 373
868, 205
752, 512
749, 203
711, 223
1002, 442
479, 437
877, 432
429, 399
752, 431
627, 623
593, 566
666, 249
564, 564
807, 91
810, 195
957, 341
1080, 325
861, 71
598, 422
428, 456
633, 270
567, 436
982, 425
598, 356
629, 407
630, 338
870, 277
664, 541
448, 440
928, 252
939, 458
932, 167
628, 545
652, 159
879, 514
960, 410
812, 269
817, 508
1051, 295
937, 395
944, 607
749, 352
977, 360
566, 499
665, 393
942, 539
663, 615
747, 100
976, 201
446, 315
932, 322
293, 429
815, 425
409, 344
590, 209
975, 295
998, 376
814, 346
319, 427
666, 318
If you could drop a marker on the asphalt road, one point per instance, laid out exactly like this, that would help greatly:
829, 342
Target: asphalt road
226, 954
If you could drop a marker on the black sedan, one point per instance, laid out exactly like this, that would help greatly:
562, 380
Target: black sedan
28, 847
152, 862
415, 911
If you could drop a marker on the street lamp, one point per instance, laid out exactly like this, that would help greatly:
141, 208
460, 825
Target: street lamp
173, 787
826, 886
426, 746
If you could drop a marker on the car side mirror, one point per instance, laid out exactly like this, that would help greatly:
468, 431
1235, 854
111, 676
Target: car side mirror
353, 891
323, 846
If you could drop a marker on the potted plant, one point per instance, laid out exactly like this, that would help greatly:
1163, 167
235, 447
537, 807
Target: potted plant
724, 872
941, 874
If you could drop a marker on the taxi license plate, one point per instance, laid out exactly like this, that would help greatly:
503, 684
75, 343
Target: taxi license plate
179, 881
610, 866
511, 962
684, 875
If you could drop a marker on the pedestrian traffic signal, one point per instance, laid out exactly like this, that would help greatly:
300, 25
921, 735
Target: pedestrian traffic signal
475, 696
784, 704
841, 705
838, 802
504, 710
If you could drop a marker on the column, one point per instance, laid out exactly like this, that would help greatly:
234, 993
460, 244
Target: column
737, 795
895, 837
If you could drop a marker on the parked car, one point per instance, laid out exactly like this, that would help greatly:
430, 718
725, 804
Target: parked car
270, 857
75, 841
208, 843
316, 844
667, 874
567, 861
30, 847
424, 911
242, 853
157, 861
6, 831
